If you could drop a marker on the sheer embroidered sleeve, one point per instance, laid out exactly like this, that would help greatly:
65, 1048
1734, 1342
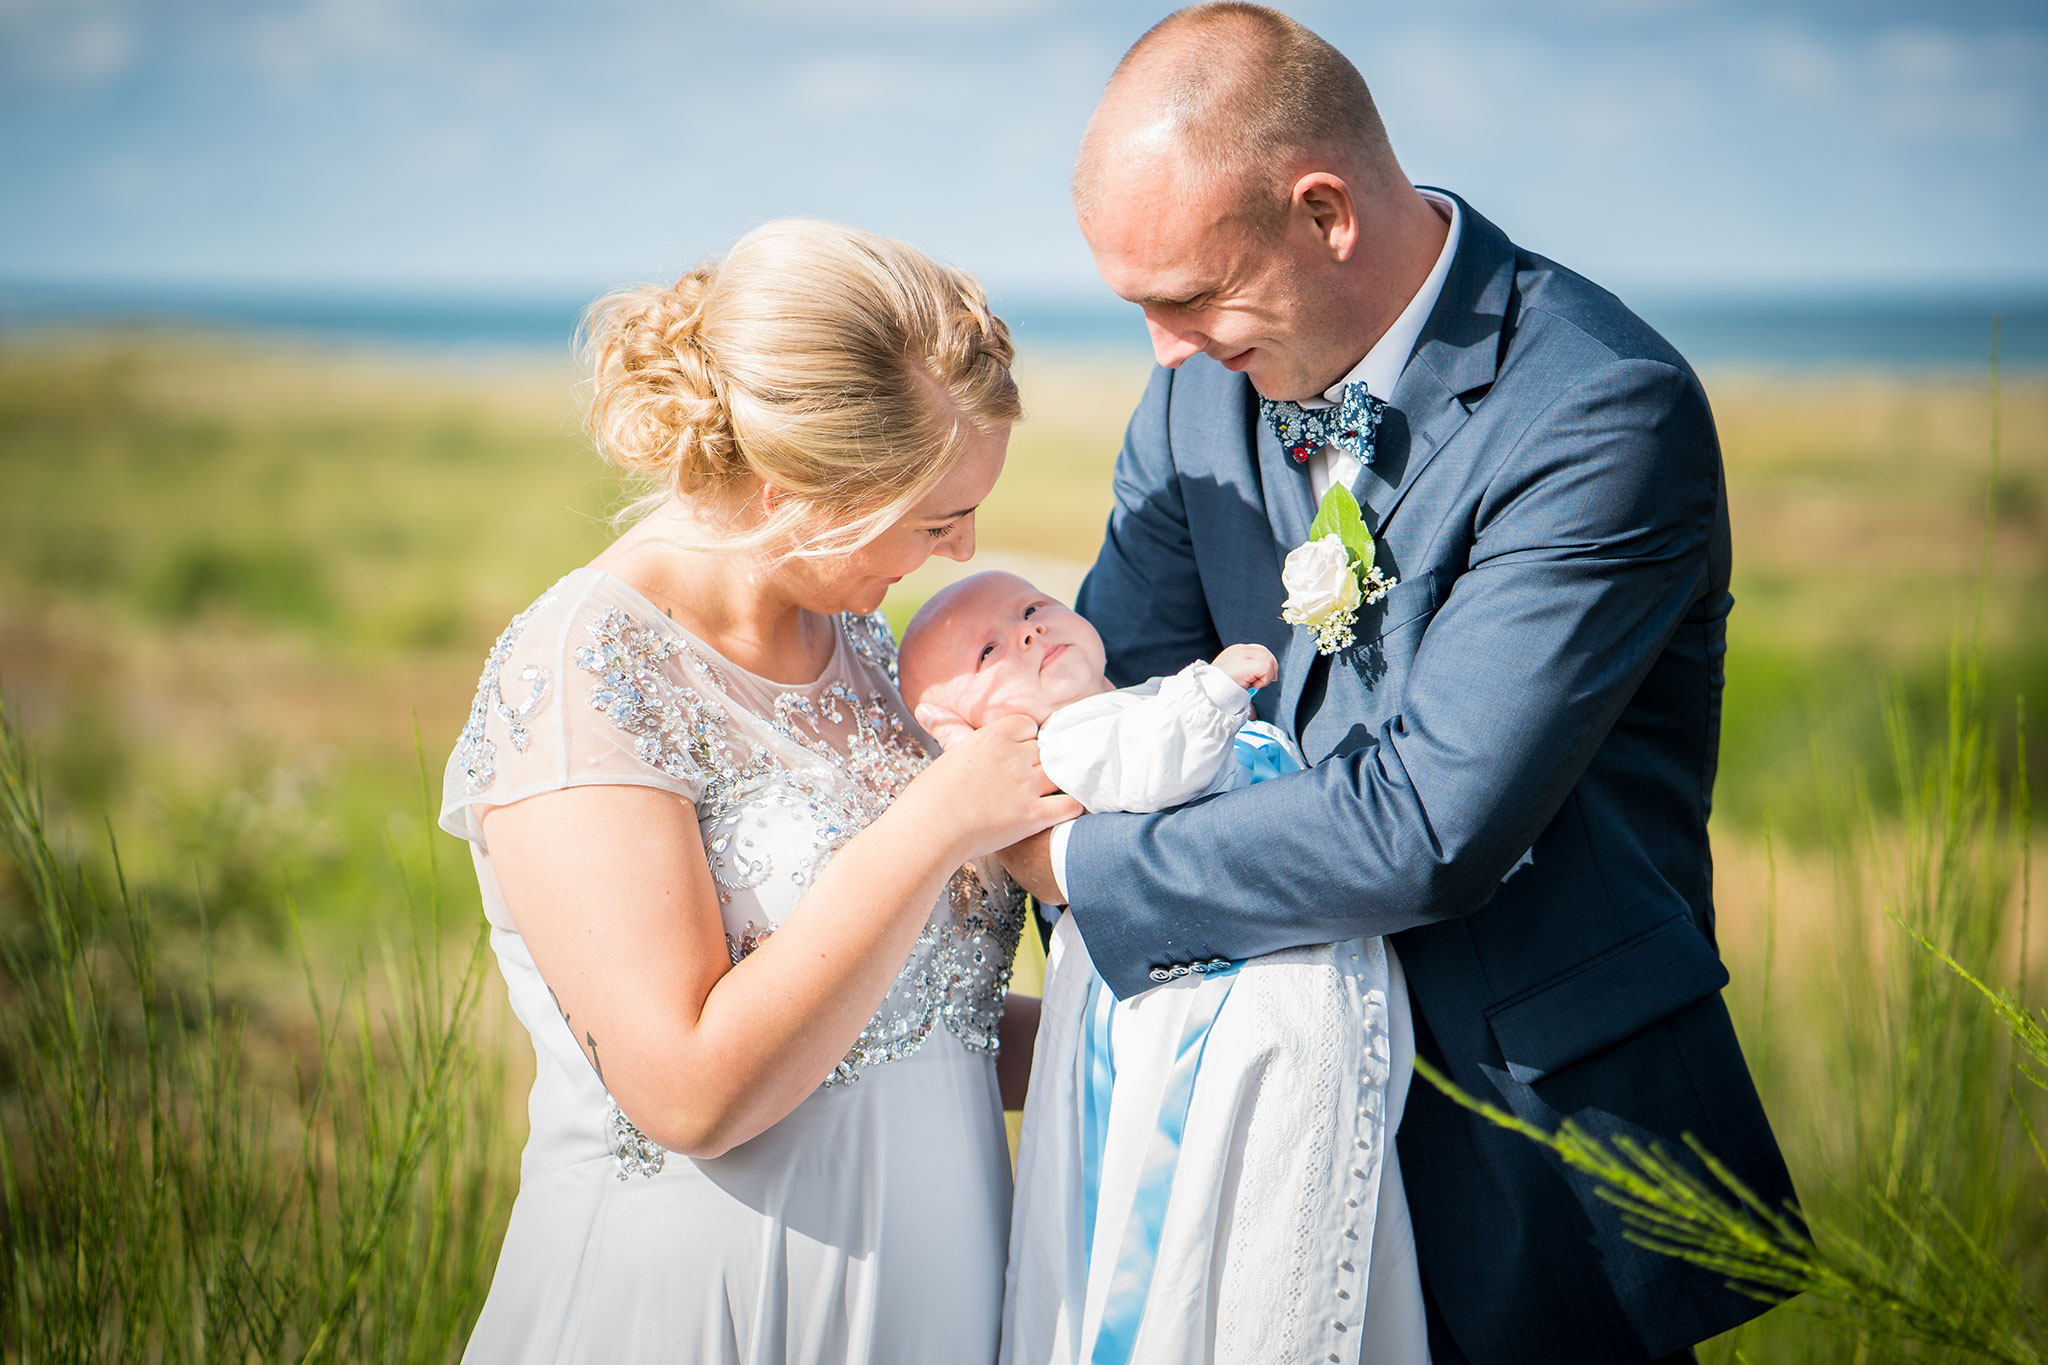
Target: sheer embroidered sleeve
580, 691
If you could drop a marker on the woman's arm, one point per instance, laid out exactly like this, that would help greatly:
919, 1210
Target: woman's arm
611, 891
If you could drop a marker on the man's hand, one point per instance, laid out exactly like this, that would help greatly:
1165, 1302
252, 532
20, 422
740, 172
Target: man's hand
1029, 863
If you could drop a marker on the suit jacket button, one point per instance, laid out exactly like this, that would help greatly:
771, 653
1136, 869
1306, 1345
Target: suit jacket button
1160, 974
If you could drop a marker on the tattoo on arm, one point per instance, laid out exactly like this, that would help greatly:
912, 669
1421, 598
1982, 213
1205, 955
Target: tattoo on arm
589, 1043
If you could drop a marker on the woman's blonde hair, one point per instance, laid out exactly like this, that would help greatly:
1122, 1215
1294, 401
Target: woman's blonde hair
842, 368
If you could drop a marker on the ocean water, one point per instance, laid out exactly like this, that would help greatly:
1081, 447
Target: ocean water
1904, 332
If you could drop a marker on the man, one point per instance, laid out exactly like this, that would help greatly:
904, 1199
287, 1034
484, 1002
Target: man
1514, 758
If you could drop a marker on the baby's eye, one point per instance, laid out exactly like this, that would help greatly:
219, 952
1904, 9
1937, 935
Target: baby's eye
982, 658
1028, 610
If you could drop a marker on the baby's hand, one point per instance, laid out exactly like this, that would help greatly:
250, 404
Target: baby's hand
1249, 666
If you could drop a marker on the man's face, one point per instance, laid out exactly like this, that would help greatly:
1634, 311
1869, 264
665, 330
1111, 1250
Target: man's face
999, 647
1213, 280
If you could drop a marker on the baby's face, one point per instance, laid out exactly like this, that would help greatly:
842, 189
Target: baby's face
993, 645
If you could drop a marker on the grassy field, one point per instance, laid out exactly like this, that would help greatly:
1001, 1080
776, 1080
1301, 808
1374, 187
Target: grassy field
245, 591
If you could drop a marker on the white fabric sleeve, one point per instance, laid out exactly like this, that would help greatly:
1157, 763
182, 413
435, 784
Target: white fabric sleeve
1061, 833
1147, 747
571, 695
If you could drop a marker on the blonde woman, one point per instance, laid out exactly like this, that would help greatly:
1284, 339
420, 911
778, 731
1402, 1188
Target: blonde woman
747, 917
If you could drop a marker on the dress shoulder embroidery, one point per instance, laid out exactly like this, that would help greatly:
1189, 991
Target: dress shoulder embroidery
872, 640
677, 729
476, 751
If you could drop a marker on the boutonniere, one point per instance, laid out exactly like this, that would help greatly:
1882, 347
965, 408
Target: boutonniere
1330, 575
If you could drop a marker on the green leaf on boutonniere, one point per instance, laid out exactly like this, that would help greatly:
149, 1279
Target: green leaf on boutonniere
1339, 516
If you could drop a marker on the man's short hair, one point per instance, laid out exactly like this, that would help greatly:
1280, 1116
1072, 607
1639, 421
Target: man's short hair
1248, 92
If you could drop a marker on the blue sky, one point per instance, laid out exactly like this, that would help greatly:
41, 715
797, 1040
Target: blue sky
1700, 147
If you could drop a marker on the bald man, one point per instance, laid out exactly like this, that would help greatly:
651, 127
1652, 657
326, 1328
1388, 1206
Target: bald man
1514, 756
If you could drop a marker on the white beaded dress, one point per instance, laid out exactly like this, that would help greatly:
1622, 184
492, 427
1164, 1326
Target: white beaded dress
870, 1224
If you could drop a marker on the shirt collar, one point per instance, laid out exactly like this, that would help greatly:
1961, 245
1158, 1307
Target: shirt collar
1382, 366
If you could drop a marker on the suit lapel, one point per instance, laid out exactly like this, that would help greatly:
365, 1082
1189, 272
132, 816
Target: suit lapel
1289, 504
1290, 508
1456, 357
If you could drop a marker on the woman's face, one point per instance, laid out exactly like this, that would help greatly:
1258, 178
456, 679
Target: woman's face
942, 523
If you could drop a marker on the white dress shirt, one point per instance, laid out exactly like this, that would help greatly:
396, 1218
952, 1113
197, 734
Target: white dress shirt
1381, 369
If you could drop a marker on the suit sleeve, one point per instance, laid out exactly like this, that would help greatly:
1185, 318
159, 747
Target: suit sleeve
1591, 542
1144, 593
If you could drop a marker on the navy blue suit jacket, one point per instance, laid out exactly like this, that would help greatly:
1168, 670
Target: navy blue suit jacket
1512, 771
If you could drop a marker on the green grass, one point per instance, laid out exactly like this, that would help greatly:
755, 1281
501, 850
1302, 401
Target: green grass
369, 510
179, 1184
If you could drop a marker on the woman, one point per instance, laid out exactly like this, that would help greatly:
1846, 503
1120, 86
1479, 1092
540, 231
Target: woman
748, 920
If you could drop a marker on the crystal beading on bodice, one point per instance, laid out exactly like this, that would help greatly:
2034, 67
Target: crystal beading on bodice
781, 777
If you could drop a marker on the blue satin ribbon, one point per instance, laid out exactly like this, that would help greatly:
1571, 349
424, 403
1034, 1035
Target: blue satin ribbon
1098, 1072
1259, 756
1131, 1278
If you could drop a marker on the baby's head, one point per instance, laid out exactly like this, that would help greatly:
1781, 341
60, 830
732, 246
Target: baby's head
992, 645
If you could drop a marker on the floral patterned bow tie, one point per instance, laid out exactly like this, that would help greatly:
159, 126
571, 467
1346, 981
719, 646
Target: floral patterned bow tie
1351, 425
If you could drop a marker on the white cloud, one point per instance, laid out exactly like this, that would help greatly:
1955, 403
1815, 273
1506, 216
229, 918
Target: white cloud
948, 14
846, 83
66, 46
1799, 64
1934, 84
291, 45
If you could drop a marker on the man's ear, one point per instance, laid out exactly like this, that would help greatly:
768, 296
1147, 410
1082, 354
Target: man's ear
1326, 201
945, 727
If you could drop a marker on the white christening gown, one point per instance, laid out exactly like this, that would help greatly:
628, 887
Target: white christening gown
1206, 1172
867, 1226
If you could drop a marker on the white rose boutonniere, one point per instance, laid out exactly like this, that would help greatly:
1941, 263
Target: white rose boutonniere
1331, 574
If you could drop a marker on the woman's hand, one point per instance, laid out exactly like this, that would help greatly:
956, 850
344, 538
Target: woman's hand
987, 790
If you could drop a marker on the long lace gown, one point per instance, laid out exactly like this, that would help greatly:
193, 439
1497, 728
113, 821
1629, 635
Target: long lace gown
870, 1224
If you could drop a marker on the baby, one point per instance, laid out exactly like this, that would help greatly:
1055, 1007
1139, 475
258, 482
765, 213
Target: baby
1184, 1169
994, 645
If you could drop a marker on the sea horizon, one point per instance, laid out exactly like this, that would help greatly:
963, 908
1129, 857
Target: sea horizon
1903, 329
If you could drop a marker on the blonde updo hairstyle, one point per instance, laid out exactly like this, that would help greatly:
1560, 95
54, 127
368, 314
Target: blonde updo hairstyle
841, 368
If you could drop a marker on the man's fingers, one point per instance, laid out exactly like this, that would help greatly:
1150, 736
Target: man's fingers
1060, 808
